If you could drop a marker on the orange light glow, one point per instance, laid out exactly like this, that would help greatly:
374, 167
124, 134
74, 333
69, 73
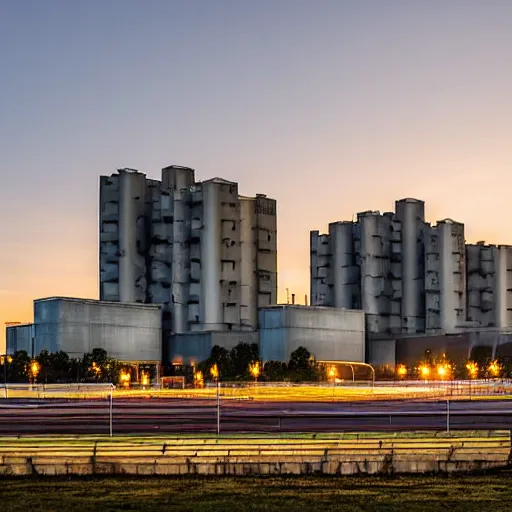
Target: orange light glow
401, 370
472, 368
255, 369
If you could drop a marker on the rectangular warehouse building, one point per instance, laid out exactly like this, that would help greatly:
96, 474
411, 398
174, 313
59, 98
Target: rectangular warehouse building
128, 332
19, 337
328, 333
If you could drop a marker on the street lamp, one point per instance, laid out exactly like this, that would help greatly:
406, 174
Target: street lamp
425, 371
198, 379
401, 370
214, 371
494, 368
4, 360
34, 370
255, 370
472, 368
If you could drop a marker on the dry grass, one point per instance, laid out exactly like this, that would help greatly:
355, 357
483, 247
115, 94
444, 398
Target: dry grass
326, 494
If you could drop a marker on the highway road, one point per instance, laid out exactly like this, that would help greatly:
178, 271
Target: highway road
160, 416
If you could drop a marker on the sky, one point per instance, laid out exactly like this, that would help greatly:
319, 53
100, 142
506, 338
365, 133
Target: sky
330, 107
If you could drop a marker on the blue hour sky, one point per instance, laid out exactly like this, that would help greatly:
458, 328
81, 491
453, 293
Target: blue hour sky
331, 107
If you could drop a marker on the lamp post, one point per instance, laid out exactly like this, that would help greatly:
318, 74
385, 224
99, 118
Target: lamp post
332, 375
5, 359
255, 369
34, 370
214, 371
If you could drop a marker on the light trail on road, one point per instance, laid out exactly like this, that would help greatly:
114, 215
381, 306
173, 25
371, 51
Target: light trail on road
158, 416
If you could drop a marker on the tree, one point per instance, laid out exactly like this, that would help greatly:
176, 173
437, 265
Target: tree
300, 359
303, 367
241, 356
275, 371
17, 370
45, 367
220, 357
61, 365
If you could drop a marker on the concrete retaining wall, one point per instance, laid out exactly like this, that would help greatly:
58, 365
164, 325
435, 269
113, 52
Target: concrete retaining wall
239, 458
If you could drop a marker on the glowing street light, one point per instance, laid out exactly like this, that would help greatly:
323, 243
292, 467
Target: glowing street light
494, 368
332, 373
5, 360
472, 368
401, 370
214, 371
255, 369
125, 378
34, 369
425, 371
198, 379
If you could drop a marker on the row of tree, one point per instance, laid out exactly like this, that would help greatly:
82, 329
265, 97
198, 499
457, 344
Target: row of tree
49, 368
234, 364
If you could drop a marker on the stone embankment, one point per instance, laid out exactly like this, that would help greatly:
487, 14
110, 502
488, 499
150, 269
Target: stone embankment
254, 456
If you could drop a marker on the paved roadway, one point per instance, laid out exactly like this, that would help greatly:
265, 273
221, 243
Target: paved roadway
154, 416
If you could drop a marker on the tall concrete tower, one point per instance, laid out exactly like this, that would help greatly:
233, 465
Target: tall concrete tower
411, 214
204, 252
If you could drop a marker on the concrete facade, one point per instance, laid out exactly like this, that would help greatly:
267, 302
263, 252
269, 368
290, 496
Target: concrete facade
194, 347
328, 333
204, 252
410, 277
128, 332
489, 284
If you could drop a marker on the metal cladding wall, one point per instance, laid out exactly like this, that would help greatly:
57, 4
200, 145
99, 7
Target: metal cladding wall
19, 337
328, 333
129, 332
193, 348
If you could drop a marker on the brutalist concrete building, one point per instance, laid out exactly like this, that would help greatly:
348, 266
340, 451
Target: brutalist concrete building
204, 252
410, 277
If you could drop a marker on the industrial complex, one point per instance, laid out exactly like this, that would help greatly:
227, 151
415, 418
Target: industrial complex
414, 281
188, 265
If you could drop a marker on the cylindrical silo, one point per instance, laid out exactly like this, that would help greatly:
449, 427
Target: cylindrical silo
501, 287
342, 263
180, 261
372, 279
131, 216
411, 214
211, 306
248, 254
452, 275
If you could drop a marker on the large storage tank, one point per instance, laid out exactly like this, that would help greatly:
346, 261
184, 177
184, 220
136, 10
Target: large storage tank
128, 332
328, 333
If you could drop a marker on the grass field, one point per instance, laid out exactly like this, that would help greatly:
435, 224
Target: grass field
297, 494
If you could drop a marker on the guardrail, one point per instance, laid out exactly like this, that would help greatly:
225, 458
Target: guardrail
250, 455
